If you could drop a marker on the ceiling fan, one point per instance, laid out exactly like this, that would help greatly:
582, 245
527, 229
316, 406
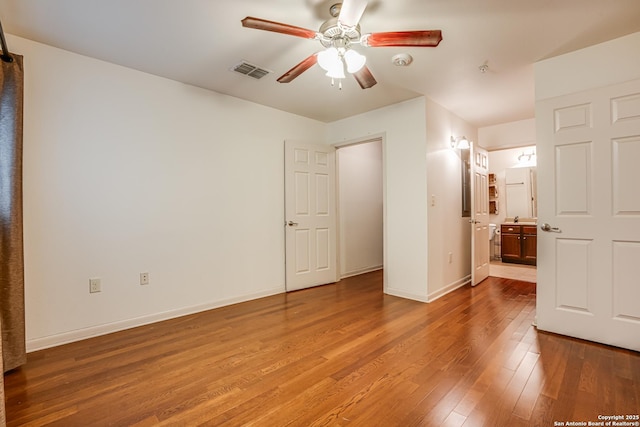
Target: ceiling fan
337, 35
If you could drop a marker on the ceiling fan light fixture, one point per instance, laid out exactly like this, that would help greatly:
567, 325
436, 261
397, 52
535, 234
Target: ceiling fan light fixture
328, 58
336, 71
337, 34
354, 60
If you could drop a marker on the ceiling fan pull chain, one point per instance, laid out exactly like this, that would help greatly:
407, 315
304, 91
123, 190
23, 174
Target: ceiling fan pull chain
333, 83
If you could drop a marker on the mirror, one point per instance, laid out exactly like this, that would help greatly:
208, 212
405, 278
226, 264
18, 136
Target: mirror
521, 192
466, 182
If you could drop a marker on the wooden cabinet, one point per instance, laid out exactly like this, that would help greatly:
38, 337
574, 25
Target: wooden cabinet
519, 243
511, 244
529, 243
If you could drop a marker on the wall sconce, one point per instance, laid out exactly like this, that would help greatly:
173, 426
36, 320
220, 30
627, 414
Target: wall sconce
460, 143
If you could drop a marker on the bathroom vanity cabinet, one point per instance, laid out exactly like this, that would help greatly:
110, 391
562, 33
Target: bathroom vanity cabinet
519, 243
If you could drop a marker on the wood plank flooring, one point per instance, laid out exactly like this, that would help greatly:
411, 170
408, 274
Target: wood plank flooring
336, 355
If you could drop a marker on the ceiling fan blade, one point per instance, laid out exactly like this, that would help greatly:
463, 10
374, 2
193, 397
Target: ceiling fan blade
277, 27
299, 69
426, 38
351, 11
365, 78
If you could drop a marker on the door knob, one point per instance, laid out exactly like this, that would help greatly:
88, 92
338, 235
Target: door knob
292, 224
546, 227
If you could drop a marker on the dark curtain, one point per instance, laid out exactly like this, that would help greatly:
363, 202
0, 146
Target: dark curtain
11, 245
3, 418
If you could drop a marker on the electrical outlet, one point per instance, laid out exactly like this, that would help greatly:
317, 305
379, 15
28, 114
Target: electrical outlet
144, 278
95, 285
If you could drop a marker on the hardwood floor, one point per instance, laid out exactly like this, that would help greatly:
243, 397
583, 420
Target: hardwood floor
337, 355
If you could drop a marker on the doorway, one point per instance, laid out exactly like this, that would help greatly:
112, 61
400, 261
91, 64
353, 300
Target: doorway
360, 207
500, 161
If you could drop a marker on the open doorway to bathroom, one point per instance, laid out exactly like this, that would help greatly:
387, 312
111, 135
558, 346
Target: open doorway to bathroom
513, 213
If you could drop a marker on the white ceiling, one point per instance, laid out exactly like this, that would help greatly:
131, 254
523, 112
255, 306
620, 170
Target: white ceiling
198, 41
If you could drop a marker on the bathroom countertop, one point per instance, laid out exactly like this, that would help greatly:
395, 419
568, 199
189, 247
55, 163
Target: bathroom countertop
521, 221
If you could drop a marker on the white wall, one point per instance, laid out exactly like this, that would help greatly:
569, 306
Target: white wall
601, 65
360, 207
126, 172
448, 231
404, 139
508, 135
418, 163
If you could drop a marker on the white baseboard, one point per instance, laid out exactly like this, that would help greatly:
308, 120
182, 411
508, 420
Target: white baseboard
432, 296
108, 328
407, 295
360, 271
94, 331
449, 288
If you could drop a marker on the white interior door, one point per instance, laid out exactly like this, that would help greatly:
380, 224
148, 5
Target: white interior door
310, 215
589, 213
479, 159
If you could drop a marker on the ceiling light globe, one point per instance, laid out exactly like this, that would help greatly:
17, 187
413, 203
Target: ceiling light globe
464, 143
460, 143
328, 58
337, 71
355, 61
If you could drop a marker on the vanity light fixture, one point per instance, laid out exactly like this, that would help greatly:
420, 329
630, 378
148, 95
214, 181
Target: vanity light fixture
526, 157
460, 143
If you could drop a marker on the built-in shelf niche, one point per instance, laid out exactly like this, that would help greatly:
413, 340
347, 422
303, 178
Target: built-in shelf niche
493, 194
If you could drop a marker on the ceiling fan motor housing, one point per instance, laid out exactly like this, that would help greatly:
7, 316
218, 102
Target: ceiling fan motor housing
332, 30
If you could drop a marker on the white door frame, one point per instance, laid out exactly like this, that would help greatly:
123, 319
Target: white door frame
370, 138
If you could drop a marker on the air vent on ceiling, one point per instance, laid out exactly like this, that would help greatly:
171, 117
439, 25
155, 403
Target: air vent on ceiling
250, 70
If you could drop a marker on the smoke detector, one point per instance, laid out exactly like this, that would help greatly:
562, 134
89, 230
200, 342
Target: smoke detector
402, 60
